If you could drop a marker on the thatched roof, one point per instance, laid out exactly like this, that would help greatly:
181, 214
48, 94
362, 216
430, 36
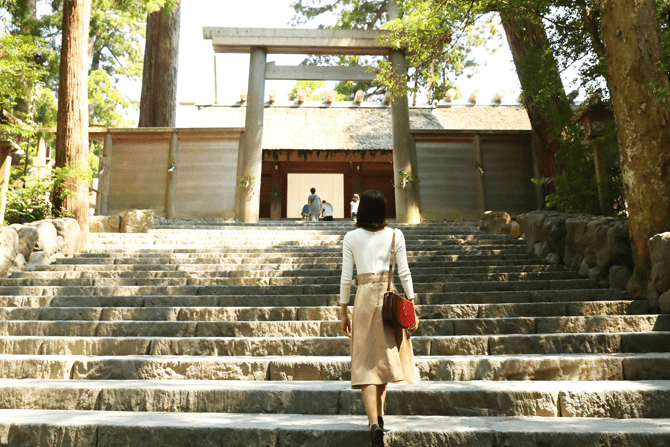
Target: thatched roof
358, 128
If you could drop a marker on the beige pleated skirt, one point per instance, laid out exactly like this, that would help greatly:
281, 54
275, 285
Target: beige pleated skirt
375, 356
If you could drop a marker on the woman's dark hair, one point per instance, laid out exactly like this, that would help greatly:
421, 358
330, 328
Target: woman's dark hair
371, 213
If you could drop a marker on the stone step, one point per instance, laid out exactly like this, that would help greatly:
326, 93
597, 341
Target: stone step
519, 296
517, 344
119, 428
147, 254
613, 399
286, 313
575, 296
462, 232
279, 278
259, 346
300, 238
277, 286
179, 248
273, 270
291, 241
572, 367
279, 259
199, 251
320, 328
205, 265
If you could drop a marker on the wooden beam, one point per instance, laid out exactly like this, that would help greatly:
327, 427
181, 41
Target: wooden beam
316, 73
296, 41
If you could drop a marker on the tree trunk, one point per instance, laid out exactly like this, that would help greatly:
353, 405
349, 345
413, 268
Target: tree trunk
534, 61
72, 127
633, 52
25, 105
158, 104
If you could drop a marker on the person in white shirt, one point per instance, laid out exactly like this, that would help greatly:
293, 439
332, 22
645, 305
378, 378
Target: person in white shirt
354, 206
376, 358
327, 211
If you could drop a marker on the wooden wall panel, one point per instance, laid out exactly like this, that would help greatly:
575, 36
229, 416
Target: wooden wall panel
139, 175
508, 169
446, 172
206, 179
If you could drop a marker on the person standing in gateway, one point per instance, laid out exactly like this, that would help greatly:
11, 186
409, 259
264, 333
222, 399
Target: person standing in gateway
354, 206
314, 202
327, 210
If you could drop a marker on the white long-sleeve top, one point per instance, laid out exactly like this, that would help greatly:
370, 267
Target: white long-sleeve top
370, 251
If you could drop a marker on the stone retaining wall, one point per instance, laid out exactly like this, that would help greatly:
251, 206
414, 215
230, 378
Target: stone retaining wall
131, 221
599, 247
28, 246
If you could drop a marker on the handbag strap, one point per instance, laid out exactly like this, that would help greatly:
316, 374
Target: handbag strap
391, 262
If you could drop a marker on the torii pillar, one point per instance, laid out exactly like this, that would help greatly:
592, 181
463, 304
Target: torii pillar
250, 158
404, 146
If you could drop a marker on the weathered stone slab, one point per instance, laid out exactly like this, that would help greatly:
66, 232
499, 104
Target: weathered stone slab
521, 310
326, 368
35, 367
649, 399
555, 344
645, 342
50, 394
522, 367
166, 368
484, 326
649, 366
460, 345
604, 324
256, 346
204, 429
634, 307
447, 311
480, 297
34, 345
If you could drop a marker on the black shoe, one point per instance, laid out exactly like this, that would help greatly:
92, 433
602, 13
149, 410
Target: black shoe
376, 436
380, 422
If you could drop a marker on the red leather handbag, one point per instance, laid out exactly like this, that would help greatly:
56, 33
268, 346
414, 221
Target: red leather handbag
397, 311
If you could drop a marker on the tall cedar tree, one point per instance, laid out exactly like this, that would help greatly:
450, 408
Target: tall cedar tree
638, 86
72, 127
158, 104
534, 60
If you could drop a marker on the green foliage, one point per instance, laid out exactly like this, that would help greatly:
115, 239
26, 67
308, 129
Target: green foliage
117, 29
316, 90
349, 14
33, 200
576, 188
440, 37
106, 101
20, 72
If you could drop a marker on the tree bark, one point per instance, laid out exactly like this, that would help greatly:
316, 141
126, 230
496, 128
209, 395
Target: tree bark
72, 127
633, 53
533, 60
158, 104
25, 105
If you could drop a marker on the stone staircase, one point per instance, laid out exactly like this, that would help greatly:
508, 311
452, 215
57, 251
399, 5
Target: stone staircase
213, 334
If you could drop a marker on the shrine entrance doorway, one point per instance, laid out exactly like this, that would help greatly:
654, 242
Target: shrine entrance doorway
287, 177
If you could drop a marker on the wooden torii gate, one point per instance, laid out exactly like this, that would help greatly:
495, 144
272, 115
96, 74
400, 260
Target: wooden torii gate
259, 42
